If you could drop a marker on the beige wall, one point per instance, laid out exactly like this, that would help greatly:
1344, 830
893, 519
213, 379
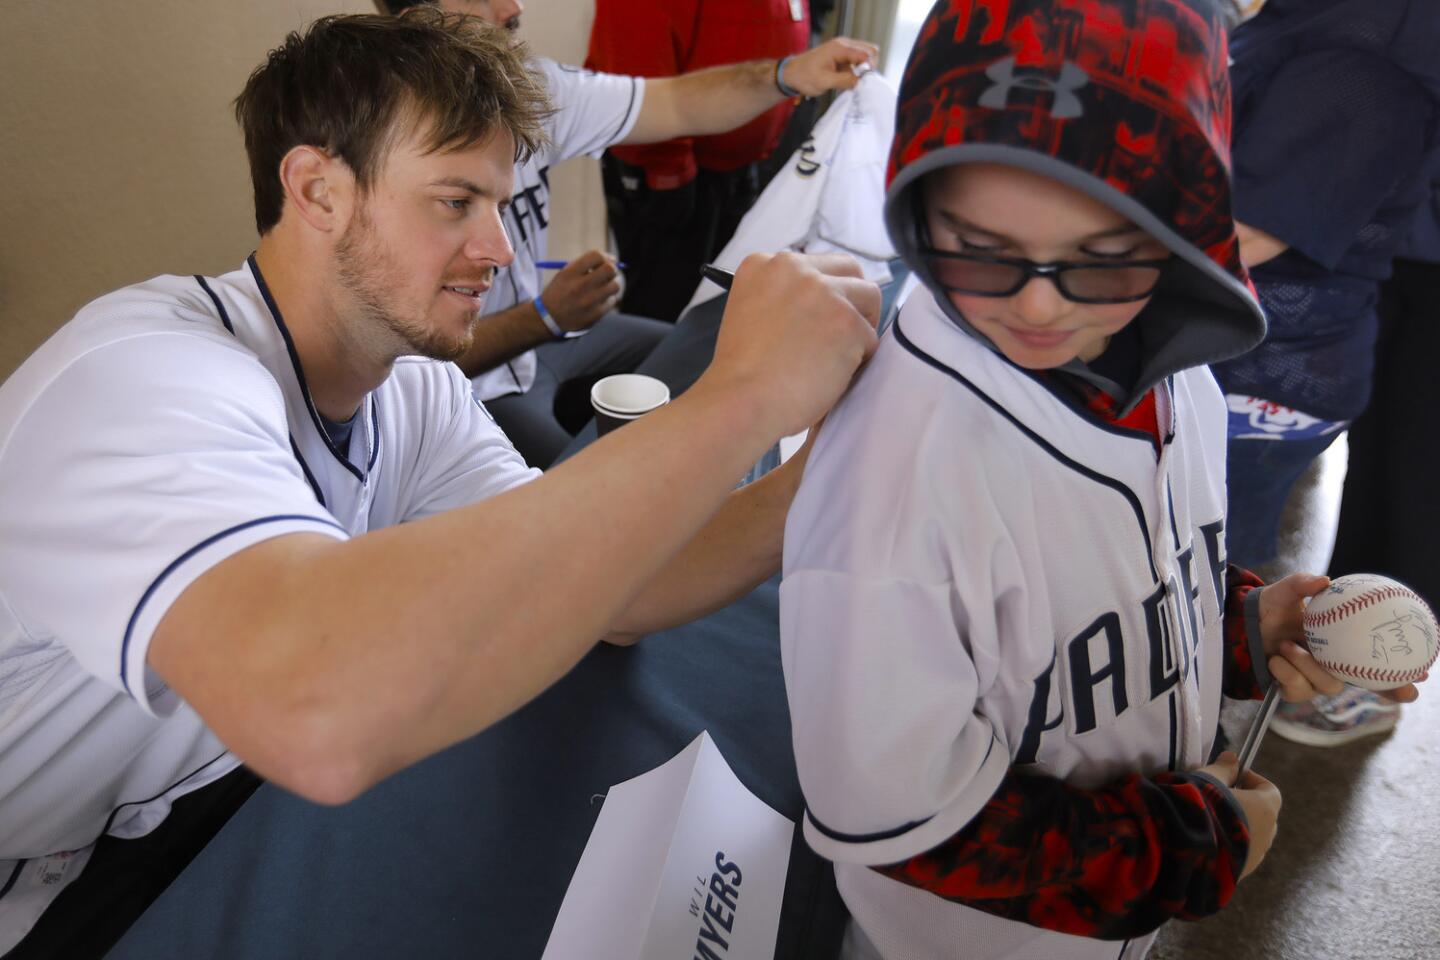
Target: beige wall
119, 158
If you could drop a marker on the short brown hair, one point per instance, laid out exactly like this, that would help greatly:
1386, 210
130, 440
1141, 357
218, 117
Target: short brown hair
347, 84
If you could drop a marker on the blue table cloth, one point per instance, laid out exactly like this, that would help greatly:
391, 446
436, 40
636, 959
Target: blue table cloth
469, 853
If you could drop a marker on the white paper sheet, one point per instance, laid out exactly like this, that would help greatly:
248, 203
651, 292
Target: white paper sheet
684, 862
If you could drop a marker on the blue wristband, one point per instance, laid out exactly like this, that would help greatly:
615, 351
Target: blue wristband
785, 91
555, 329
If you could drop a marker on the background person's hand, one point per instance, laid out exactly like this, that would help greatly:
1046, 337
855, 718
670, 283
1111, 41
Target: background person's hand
796, 328
1282, 634
830, 66
583, 291
1258, 797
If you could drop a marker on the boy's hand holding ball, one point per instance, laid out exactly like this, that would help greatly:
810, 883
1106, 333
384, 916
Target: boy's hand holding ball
1363, 629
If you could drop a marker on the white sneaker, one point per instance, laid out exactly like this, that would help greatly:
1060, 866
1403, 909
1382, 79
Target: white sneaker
1330, 721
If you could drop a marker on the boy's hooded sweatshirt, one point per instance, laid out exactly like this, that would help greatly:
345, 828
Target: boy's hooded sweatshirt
1006, 615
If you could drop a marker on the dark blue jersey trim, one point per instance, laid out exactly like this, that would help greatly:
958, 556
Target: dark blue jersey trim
883, 834
1170, 428
294, 447
1123, 947
131, 803
300, 373
1042, 443
1174, 528
14, 875
374, 435
224, 317
155, 584
615, 137
305, 469
1174, 727
1062, 392
862, 837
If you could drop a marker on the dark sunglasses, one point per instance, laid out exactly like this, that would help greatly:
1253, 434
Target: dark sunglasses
980, 275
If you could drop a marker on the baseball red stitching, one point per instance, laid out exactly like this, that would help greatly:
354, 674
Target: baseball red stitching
1356, 604
1370, 673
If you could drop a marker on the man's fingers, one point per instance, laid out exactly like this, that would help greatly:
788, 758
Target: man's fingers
847, 50
587, 261
834, 264
845, 275
863, 295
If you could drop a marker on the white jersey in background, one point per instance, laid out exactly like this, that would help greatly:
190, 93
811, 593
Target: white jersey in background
830, 195
592, 111
164, 429
979, 575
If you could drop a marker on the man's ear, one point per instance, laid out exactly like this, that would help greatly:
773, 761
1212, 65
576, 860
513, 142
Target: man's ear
318, 187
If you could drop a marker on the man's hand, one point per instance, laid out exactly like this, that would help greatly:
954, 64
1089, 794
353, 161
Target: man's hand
796, 329
586, 289
1282, 634
1258, 797
830, 66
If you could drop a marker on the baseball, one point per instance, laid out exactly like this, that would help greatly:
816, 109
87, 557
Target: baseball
1372, 631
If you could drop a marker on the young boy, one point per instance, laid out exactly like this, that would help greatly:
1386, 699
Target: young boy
1007, 618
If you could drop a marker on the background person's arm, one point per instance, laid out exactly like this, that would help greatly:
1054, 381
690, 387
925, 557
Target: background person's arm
327, 666
723, 98
1257, 246
577, 297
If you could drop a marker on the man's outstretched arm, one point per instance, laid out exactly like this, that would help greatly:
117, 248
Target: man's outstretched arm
723, 98
326, 666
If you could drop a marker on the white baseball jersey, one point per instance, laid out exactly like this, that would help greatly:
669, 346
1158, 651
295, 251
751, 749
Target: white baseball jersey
830, 194
980, 574
165, 428
592, 111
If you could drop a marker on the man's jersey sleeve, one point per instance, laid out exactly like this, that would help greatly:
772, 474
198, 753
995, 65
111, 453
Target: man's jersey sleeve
592, 110
466, 457
138, 466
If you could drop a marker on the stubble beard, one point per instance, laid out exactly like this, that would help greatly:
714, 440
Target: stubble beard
367, 270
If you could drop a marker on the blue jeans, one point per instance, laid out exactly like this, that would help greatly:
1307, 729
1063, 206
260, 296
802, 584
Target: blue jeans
1261, 474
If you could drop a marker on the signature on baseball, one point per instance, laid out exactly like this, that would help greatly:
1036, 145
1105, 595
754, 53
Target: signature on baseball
1399, 633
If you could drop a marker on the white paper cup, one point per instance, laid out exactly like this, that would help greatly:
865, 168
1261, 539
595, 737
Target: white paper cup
624, 397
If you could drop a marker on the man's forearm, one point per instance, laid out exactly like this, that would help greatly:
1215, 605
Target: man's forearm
503, 336
732, 554
705, 102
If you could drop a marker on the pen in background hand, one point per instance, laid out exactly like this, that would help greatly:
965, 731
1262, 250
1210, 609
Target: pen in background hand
562, 264
718, 276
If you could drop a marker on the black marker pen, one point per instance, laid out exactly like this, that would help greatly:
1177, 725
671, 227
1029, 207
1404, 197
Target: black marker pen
717, 276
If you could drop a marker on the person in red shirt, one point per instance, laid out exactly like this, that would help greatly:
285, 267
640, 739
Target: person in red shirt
674, 205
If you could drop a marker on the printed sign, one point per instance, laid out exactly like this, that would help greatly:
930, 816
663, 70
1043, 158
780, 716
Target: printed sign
684, 861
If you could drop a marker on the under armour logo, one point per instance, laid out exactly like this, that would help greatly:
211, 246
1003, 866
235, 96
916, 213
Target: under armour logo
1067, 105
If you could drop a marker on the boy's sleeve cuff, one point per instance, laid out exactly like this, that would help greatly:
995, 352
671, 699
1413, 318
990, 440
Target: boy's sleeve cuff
1258, 658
